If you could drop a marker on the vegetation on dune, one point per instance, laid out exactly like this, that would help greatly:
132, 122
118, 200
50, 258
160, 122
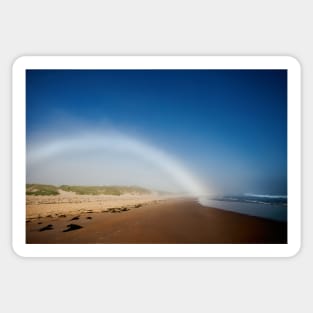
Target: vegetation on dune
43, 190
105, 190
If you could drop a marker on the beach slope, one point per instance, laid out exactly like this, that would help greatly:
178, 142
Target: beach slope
172, 221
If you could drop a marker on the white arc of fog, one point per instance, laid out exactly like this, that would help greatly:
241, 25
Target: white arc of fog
121, 143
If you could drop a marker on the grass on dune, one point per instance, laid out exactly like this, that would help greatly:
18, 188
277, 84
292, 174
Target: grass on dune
43, 190
104, 190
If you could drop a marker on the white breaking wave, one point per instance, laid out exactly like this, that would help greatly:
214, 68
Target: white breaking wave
121, 143
266, 196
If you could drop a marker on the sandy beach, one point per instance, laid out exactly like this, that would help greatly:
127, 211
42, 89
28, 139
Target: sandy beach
77, 219
72, 203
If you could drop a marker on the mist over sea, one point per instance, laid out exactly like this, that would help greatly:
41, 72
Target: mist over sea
272, 207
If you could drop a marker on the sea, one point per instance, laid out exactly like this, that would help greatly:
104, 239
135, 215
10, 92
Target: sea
272, 207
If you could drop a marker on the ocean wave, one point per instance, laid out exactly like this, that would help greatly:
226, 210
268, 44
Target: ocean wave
254, 201
266, 196
270, 208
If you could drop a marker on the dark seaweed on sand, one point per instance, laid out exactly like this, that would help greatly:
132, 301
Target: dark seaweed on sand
72, 227
48, 227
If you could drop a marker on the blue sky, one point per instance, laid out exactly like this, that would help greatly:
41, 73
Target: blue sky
228, 126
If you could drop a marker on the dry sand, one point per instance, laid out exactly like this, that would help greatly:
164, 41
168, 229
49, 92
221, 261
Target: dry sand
71, 203
155, 221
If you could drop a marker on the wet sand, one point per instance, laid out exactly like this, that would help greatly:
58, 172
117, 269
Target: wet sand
179, 221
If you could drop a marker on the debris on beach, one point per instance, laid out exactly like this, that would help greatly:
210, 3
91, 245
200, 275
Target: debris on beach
72, 227
48, 227
115, 210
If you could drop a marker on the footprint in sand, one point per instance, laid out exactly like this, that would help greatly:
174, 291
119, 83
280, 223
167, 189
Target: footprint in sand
75, 218
48, 227
72, 227
88, 217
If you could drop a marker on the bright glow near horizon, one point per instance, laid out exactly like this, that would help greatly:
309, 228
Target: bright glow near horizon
108, 158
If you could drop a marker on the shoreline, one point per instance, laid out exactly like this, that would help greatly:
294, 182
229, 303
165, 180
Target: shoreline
167, 221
